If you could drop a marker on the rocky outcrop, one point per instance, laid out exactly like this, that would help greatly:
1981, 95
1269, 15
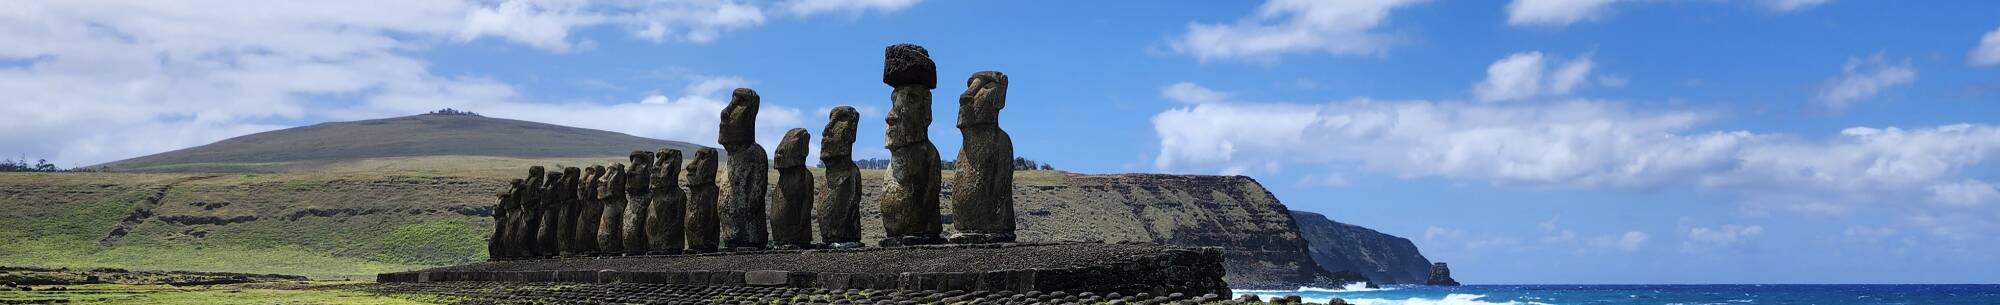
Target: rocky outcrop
1383, 258
1440, 275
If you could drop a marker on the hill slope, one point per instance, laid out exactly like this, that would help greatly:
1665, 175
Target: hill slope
1383, 258
409, 136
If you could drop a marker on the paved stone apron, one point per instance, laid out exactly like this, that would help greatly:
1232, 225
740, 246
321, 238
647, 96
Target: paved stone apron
638, 293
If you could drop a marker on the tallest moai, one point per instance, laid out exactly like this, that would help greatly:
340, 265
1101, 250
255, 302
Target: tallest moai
910, 198
742, 212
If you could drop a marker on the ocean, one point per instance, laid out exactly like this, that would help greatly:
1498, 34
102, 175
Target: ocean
1650, 294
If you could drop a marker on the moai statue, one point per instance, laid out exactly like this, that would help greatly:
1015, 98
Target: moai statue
840, 214
742, 210
569, 206
545, 235
910, 199
791, 205
496, 247
982, 189
610, 227
531, 212
703, 226
667, 214
590, 209
637, 198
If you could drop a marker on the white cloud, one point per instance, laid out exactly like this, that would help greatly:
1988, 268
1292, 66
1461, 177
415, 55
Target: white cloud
1525, 75
107, 80
1629, 242
1783, 6
1988, 52
1965, 193
1187, 92
1555, 12
812, 7
1578, 144
1293, 26
1862, 79
1439, 233
1729, 235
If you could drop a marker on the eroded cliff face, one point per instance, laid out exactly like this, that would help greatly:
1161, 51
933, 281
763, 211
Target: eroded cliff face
1383, 258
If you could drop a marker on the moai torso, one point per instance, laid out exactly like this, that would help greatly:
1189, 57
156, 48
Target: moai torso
638, 197
610, 230
568, 206
982, 201
703, 223
666, 215
531, 212
910, 198
545, 233
839, 214
742, 211
589, 210
791, 206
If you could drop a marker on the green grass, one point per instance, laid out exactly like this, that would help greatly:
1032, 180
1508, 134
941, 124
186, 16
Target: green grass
281, 259
219, 295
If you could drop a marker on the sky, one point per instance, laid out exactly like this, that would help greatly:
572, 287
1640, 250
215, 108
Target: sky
1523, 141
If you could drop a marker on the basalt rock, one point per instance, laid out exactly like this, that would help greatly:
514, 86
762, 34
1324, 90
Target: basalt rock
909, 200
742, 212
982, 200
791, 206
590, 211
638, 197
702, 221
567, 207
666, 216
610, 224
1441, 275
1384, 259
839, 214
545, 232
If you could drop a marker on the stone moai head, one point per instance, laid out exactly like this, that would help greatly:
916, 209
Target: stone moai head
701, 170
837, 141
641, 171
908, 65
739, 119
554, 180
535, 174
590, 183
667, 168
575, 175
909, 69
614, 181
793, 149
985, 93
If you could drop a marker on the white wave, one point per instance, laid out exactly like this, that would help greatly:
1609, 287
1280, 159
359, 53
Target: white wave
1349, 287
1451, 299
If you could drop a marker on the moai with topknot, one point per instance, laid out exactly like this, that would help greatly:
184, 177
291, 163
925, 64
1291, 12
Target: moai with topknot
742, 210
589, 209
638, 197
703, 221
982, 197
665, 217
839, 214
909, 200
791, 206
611, 228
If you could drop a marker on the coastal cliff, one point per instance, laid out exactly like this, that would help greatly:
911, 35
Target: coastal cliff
1383, 258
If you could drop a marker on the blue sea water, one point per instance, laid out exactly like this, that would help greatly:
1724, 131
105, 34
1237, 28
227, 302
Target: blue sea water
1651, 294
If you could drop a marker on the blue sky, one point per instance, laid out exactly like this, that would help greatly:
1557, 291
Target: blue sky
1525, 141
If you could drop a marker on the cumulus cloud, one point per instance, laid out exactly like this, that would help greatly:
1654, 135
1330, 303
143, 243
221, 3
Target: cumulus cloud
1555, 12
1293, 26
1525, 75
1988, 52
107, 80
1187, 92
812, 7
1863, 78
1577, 144
1965, 193
1631, 241
1722, 236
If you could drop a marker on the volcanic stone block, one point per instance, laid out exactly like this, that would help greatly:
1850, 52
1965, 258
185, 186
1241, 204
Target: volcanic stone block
982, 201
667, 214
742, 212
839, 214
910, 212
766, 278
610, 230
791, 207
702, 220
638, 197
590, 210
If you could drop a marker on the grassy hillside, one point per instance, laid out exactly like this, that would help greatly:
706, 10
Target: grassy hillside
322, 144
355, 218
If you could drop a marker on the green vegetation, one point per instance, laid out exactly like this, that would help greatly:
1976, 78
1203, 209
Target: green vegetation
434, 243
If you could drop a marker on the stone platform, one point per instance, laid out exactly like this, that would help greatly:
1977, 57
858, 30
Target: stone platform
1075, 267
